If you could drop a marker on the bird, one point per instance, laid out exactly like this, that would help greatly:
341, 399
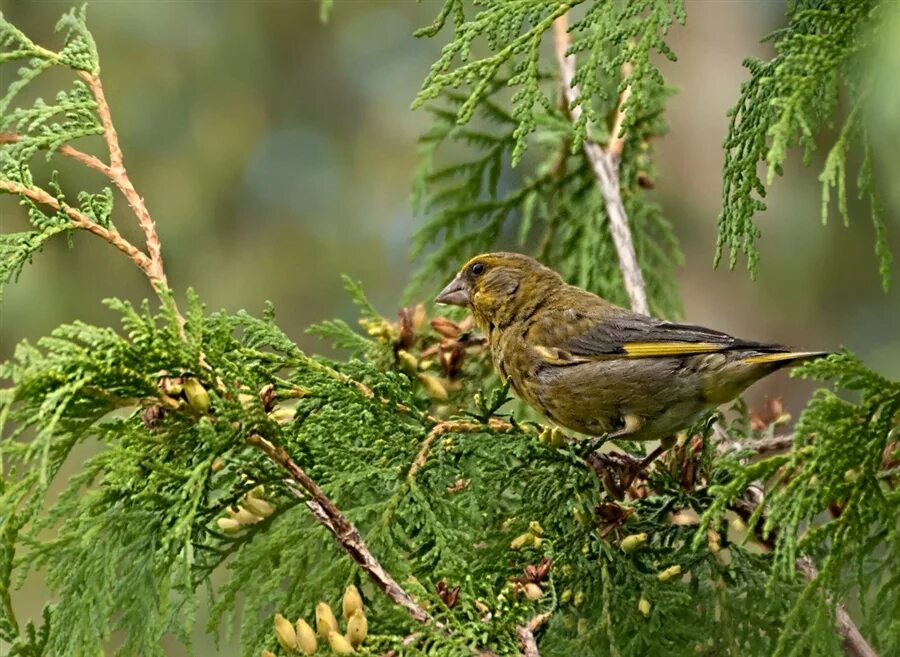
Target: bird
599, 369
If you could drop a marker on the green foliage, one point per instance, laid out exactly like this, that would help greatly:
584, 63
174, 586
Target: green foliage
476, 202
45, 126
612, 33
787, 102
162, 421
831, 498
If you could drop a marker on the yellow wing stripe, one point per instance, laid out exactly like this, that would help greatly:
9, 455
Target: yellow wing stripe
647, 349
774, 358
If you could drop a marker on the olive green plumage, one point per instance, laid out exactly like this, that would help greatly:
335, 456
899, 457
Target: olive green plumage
596, 368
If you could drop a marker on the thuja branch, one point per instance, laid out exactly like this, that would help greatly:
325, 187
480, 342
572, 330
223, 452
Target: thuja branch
88, 160
343, 530
605, 163
119, 177
82, 221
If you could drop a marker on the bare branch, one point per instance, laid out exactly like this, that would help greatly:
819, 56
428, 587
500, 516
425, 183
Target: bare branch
605, 163
343, 530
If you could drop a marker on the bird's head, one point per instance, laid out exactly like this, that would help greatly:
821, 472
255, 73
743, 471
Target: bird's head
500, 287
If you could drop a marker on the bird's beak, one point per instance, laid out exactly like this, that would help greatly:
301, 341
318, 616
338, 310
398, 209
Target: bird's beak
455, 294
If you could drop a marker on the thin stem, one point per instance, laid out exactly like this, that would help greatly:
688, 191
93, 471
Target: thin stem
327, 513
82, 221
119, 177
86, 159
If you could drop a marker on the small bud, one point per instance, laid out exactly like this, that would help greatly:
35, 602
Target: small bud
433, 387
258, 506
579, 598
243, 516
557, 438
267, 653
582, 626
229, 525
669, 573
306, 638
565, 596
326, 623
533, 592
196, 395
217, 464
644, 607
284, 631
172, 385
352, 601
536, 528
357, 628
246, 400
853, 475
419, 317
339, 644
282, 415
259, 492
580, 516
407, 361
521, 541
633, 542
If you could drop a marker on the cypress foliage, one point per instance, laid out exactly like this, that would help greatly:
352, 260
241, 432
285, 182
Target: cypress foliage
221, 448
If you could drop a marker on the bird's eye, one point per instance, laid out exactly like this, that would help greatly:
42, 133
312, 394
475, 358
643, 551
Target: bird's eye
477, 268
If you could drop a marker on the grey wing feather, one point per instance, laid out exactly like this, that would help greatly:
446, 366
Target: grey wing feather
611, 335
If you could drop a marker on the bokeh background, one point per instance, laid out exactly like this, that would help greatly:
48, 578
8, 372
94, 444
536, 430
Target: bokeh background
276, 153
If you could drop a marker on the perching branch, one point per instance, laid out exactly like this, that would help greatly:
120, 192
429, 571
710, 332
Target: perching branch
343, 530
605, 163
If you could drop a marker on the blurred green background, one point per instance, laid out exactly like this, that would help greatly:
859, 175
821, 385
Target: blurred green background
276, 153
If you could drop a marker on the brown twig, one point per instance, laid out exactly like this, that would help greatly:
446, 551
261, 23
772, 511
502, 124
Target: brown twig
453, 426
605, 163
526, 635
343, 530
854, 643
90, 161
771, 445
82, 221
119, 177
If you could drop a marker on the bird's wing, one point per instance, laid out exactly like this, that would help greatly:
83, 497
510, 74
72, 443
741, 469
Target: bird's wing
573, 338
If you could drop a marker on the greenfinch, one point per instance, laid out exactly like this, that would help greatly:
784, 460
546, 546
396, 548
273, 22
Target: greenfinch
599, 369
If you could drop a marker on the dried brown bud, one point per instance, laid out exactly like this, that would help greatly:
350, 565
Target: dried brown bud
151, 416
217, 464
284, 632
445, 327
267, 396
351, 601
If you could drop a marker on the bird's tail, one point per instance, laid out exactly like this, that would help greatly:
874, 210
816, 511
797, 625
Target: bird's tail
785, 358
